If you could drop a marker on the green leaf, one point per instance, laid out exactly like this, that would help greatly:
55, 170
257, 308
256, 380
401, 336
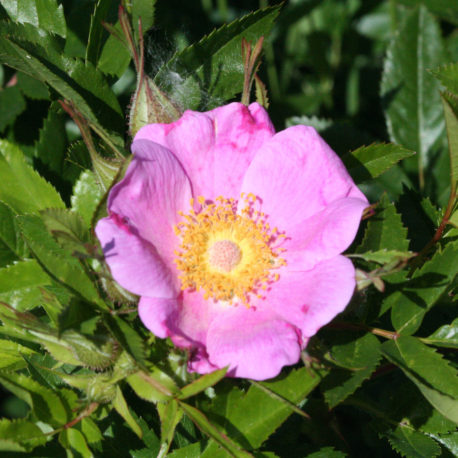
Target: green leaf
67, 227
371, 161
208, 428
20, 435
214, 62
327, 452
410, 92
90, 430
443, 8
81, 84
170, 415
189, 451
127, 337
410, 408
86, 196
144, 10
423, 361
119, 403
20, 186
12, 104
74, 442
115, 56
436, 379
45, 14
408, 442
445, 336
11, 355
251, 417
96, 31
12, 246
149, 388
418, 295
46, 404
57, 261
449, 440
31, 87
360, 356
202, 383
22, 279
385, 230
447, 74
450, 104
50, 148
383, 256
320, 124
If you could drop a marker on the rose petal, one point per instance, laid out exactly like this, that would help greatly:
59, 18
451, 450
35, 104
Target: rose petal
216, 147
310, 299
296, 176
149, 197
157, 314
325, 234
198, 362
194, 318
253, 343
133, 262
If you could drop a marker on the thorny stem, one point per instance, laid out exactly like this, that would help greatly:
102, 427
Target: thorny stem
376, 331
125, 26
82, 125
251, 58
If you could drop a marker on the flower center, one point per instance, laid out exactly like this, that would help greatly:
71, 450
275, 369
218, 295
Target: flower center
224, 255
228, 254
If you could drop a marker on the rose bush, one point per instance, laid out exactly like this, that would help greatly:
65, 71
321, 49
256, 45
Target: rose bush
232, 235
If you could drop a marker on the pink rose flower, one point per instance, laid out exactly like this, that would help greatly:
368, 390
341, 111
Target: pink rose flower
232, 235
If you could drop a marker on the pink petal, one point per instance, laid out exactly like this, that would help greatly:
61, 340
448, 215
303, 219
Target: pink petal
310, 299
253, 343
198, 362
134, 263
149, 197
216, 147
157, 314
296, 176
194, 318
325, 234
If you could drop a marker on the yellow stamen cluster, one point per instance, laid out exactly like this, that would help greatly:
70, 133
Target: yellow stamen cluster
227, 254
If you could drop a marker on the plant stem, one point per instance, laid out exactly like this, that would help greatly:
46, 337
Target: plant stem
362, 327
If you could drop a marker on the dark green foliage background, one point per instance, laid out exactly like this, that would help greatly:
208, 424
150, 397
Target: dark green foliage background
80, 376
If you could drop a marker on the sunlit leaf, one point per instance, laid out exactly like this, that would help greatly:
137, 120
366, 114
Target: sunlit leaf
45, 14
445, 336
373, 160
86, 195
20, 186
